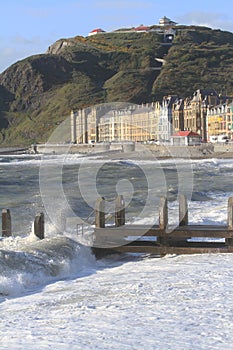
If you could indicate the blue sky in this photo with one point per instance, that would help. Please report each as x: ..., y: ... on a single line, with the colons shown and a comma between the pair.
x: 28, y: 27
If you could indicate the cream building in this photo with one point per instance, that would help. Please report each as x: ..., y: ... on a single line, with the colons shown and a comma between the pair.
x: 220, y: 120
x: 107, y: 123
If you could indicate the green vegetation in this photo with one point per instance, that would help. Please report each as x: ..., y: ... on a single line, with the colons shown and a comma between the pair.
x: 38, y: 93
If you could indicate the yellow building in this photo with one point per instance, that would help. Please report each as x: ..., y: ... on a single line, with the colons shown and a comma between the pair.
x: 195, y: 111
x: 178, y: 115
x: 106, y: 123
x: 220, y: 120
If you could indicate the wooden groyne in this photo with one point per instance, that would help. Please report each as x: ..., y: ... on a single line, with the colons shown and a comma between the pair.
x: 159, y: 239
x: 38, y: 224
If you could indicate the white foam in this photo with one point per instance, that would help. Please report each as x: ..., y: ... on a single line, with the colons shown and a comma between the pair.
x: 27, y: 263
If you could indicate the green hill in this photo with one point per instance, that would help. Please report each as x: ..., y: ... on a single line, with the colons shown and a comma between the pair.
x: 38, y: 93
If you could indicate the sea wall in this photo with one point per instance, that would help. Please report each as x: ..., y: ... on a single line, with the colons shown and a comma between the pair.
x: 200, y: 151
x: 83, y: 148
x: 223, y: 147
x: 181, y: 151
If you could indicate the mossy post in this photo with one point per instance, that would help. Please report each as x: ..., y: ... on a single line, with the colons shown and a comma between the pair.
x: 119, y: 211
x: 229, y: 241
x: 230, y: 213
x: 183, y: 211
x: 163, y: 222
x: 39, y: 226
x: 6, y: 223
x: 100, y: 213
x: 163, y: 213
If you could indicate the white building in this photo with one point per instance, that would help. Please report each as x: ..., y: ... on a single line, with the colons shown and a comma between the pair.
x: 96, y: 31
x: 165, y: 21
x: 165, y: 118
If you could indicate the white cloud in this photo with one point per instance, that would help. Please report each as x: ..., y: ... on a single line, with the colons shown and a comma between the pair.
x: 38, y: 13
x: 7, y: 57
x: 22, y: 41
x: 123, y: 4
x: 208, y: 19
x: 18, y: 48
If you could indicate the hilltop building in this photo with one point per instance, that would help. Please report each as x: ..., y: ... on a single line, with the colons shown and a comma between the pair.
x: 165, y: 21
x: 166, y: 27
x: 96, y: 31
x: 141, y: 29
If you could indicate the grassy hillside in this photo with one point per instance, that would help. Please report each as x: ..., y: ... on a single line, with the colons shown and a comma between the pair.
x: 197, y: 59
x: 37, y: 93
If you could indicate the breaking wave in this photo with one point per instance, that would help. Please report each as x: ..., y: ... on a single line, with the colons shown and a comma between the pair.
x: 27, y: 264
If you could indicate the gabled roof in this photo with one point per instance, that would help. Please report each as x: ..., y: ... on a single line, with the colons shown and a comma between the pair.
x: 186, y: 133
x: 142, y: 28
x: 166, y: 21
x: 98, y: 30
x: 203, y: 93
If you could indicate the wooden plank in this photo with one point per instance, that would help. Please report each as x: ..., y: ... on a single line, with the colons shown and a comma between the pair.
x: 182, y: 231
x: 196, y: 250
x: 110, y: 243
x: 206, y: 231
x: 138, y: 249
x: 171, y: 250
x: 127, y: 230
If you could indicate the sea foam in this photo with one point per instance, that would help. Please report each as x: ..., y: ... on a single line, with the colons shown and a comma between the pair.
x: 26, y: 265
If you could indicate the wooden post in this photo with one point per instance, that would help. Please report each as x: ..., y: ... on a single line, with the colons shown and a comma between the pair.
x: 100, y: 213
x: 230, y: 213
x: 183, y: 211
x: 120, y: 211
x: 39, y: 226
x: 163, y: 221
x: 6, y: 223
x: 163, y: 213
x: 229, y: 241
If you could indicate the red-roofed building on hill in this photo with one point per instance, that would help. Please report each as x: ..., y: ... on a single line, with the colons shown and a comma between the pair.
x: 141, y: 29
x: 185, y: 138
x: 96, y: 31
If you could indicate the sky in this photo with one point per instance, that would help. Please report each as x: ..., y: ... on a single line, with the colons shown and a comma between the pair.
x: 29, y: 27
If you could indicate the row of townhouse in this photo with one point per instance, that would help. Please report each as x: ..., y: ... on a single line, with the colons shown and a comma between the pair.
x: 205, y: 113
x: 114, y: 122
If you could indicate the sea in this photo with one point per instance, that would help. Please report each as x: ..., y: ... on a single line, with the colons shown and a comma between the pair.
x: 55, y: 294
